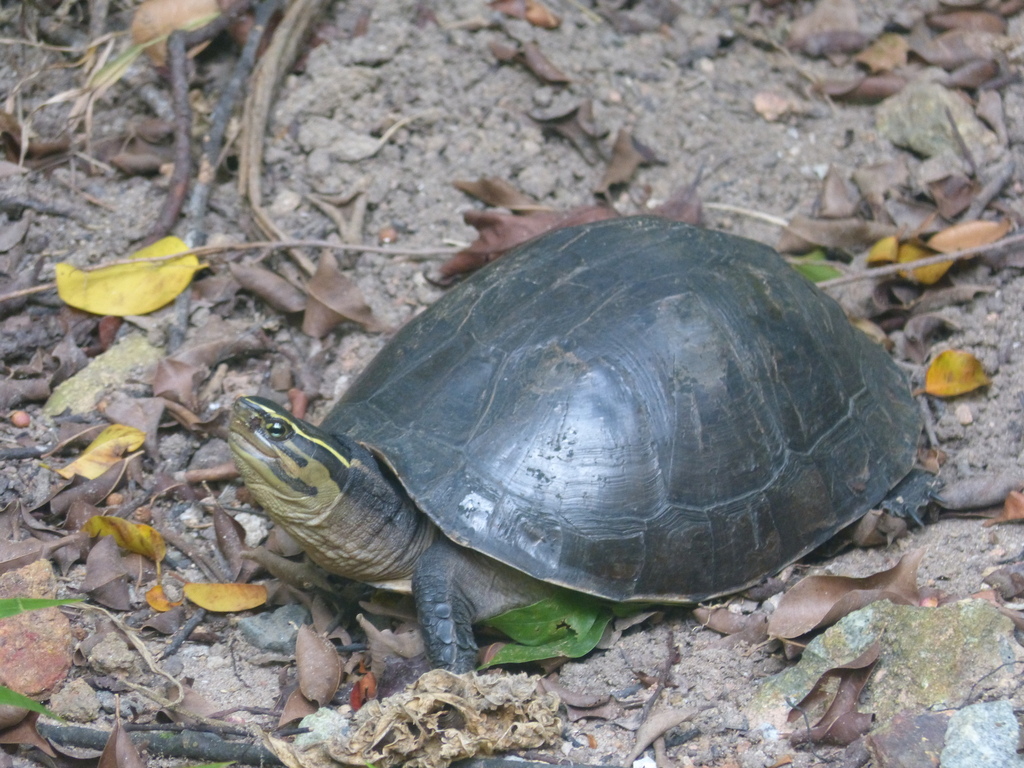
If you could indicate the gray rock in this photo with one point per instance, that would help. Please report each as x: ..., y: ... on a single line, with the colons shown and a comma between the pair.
x: 983, y: 736
x: 929, y: 658
x: 918, y: 118
x: 274, y: 631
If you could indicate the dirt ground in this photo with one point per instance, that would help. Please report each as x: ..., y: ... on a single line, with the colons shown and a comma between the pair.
x: 685, y: 90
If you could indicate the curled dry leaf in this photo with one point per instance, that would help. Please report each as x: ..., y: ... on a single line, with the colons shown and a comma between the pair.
x: 954, y: 48
x: 135, y: 537
x: 835, y: 201
x: 954, y: 372
x: 655, y: 726
x: 980, y: 492
x: 920, y: 332
x: 498, y: 232
x: 628, y: 154
x: 533, y: 11
x: 910, y: 252
x: 119, y: 751
x: 953, y: 194
x: 272, y: 288
x: 158, y: 600
x: 333, y: 298
x: 818, y: 601
x: 577, y: 126
x: 497, y: 193
x: 104, y: 452
x: 830, y: 27
x: 864, y: 90
x: 154, y: 20
x: 972, y: 74
x: 804, y: 233
x: 885, y: 54
x: 530, y: 56
x: 318, y: 664
x: 978, y: 20
x: 1012, y: 512
x: 841, y: 724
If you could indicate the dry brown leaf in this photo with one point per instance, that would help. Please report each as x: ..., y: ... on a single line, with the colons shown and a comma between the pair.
x: 627, y: 155
x: 577, y: 126
x: 835, y: 201
x: 26, y: 734
x: 972, y: 74
x: 878, y: 529
x: 334, y: 298
x: 1012, y: 512
x: 954, y: 48
x: 977, y: 20
x: 318, y: 665
x: 968, y: 234
x: 831, y: 26
x: 296, y: 707
x: 497, y: 193
x: 841, y: 724
x: 119, y: 751
x: 819, y: 601
x: 803, y: 234
x: 953, y: 194
x: 530, y: 56
x: 655, y: 726
x: 178, y: 381
x: 498, y: 232
x: 272, y: 288
x: 533, y: 11
x: 885, y: 54
x: 106, y: 575
x: 867, y: 89
x: 981, y: 491
x: 921, y: 331
x: 156, y: 19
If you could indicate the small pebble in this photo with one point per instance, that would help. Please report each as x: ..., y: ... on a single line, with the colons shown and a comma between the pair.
x: 20, y: 419
x: 964, y: 415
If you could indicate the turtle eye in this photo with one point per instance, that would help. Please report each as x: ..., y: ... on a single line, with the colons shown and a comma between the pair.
x: 278, y: 429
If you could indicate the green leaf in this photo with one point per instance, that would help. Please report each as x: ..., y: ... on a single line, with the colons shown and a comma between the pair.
x: 15, y: 699
x: 566, y: 624
x: 815, y: 266
x: 12, y: 606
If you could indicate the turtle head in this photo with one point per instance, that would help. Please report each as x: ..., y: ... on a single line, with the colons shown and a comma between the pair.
x: 328, y: 492
x: 293, y: 469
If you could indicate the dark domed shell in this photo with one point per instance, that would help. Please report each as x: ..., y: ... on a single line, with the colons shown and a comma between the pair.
x: 637, y: 409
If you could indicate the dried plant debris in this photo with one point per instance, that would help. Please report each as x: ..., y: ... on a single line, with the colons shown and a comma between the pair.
x: 439, y: 719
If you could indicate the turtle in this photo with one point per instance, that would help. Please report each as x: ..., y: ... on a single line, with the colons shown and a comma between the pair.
x: 635, y: 409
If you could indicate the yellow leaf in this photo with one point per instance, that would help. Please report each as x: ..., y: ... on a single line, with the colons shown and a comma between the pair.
x: 226, y: 597
x: 910, y: 252
x: 104, y: 452
x: 968, y: 234
x: 130, y: 289
x: 953, y: 373
x: 884, y: 251
x: 158, y: 601
x: 135, y: 537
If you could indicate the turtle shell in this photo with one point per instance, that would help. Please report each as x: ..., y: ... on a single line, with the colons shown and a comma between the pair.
x: 637, y: 409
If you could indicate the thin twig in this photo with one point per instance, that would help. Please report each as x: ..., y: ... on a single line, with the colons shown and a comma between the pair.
x: 942, y: 258
x: 778, y: 221
x: 209, y: 250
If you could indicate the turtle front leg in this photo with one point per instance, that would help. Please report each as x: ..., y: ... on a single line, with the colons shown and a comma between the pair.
x: 454, y: 588
x: 445, y: 610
